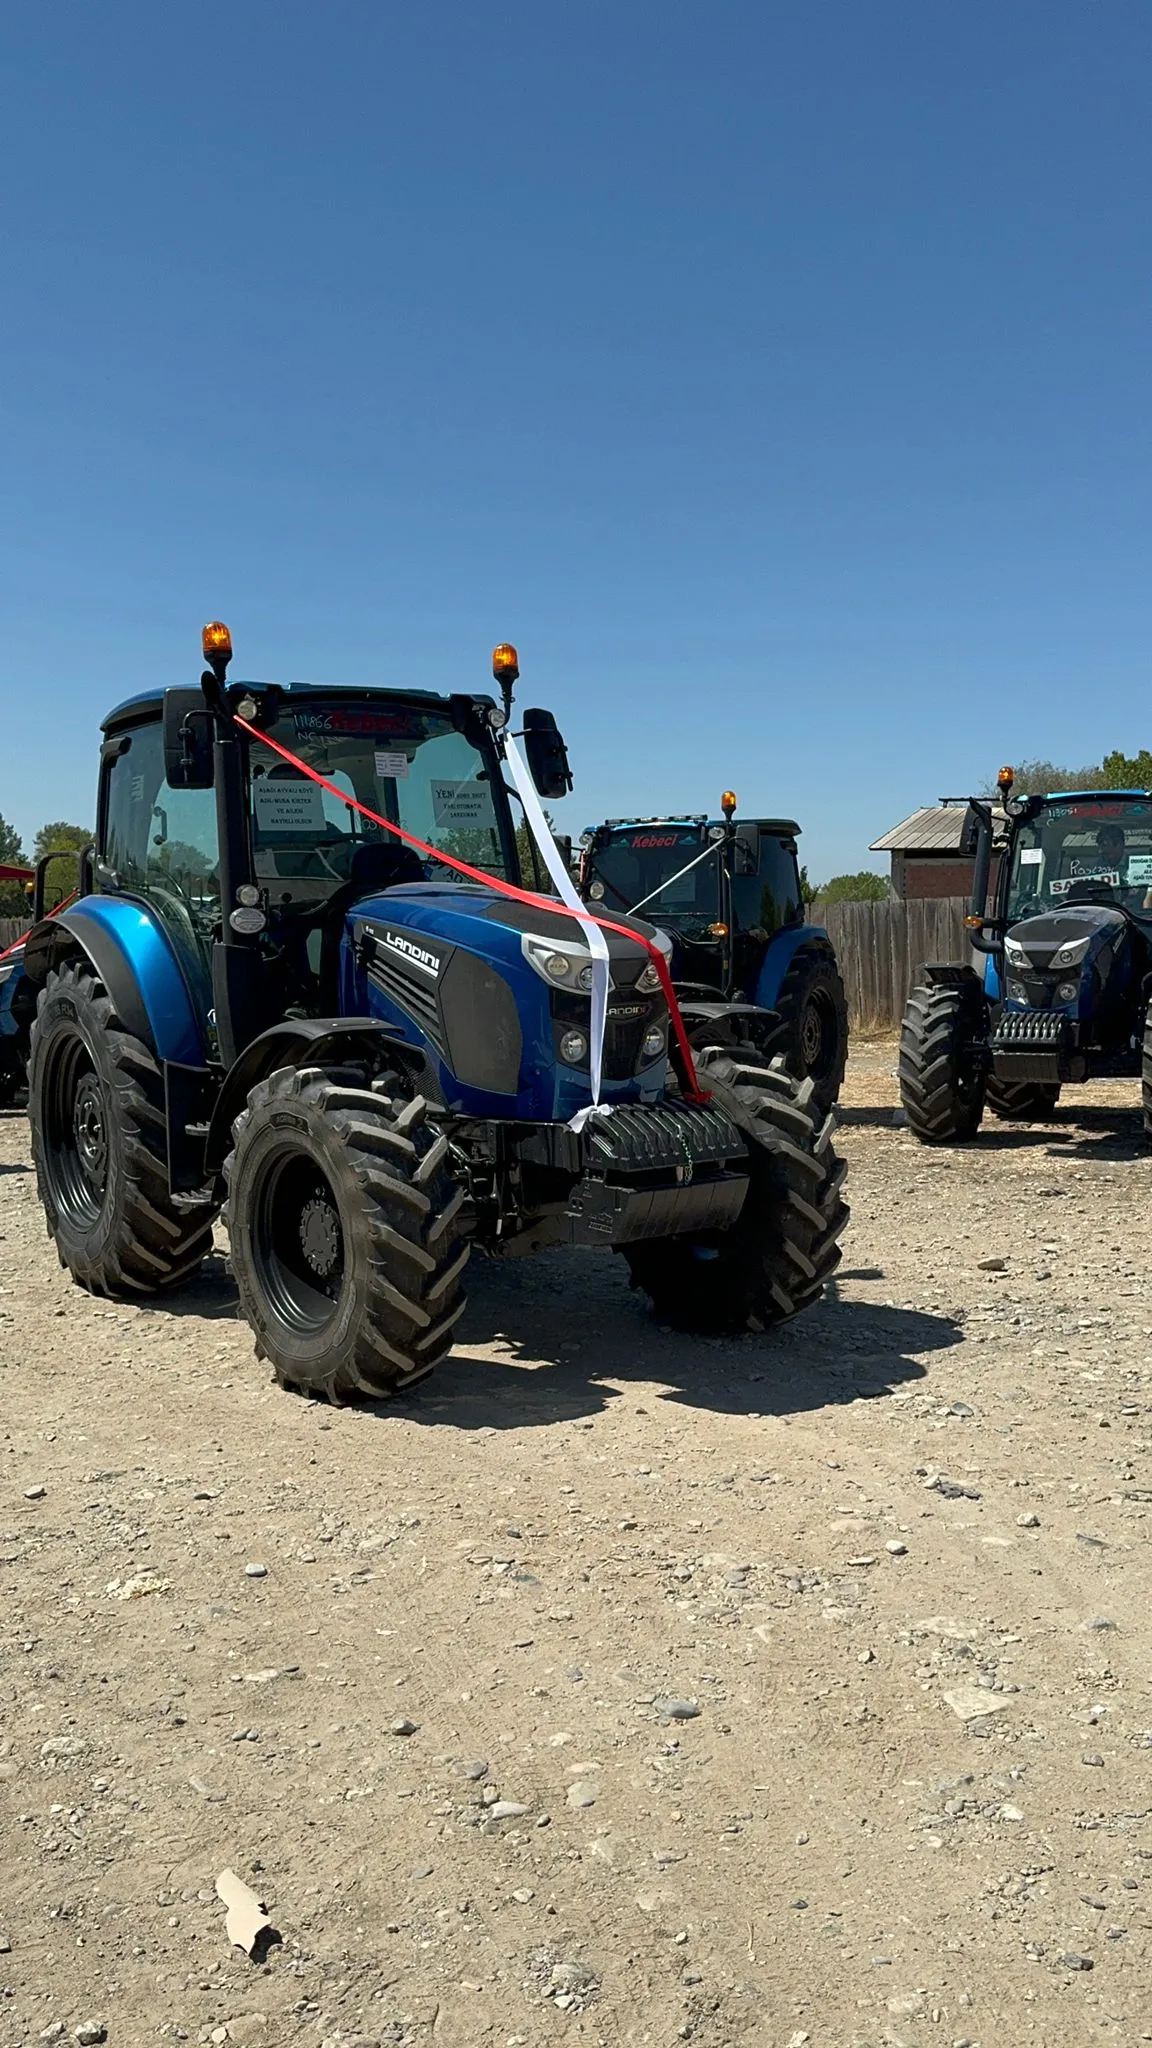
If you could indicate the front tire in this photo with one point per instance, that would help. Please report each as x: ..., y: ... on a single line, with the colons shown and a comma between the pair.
x: 942, y: 1074
x: 783, y: 1247
x: 346, y: 1233
x: 99, y: 1143
x: 813, y: 1009
x: 1022, y: 1102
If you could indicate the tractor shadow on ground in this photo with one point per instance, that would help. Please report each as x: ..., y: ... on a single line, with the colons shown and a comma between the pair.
x: 1075, y: 1133
x: 571, y: 1347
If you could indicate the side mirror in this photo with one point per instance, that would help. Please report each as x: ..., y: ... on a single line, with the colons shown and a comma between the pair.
x: 547, y: 754
x: 188, y: 760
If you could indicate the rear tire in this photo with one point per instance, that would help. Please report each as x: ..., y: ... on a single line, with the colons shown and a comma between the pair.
x: 942, y: 1077
x: 783, y: 1247
x: 99, y: 1143
x: 1022, y: 1102
x: 346, y: 1233
x: 813, y: 1009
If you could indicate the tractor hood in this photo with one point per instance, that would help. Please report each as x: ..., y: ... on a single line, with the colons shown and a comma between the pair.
x: 497, y: 992
x: 1040, y: 939
x: 465, y: 913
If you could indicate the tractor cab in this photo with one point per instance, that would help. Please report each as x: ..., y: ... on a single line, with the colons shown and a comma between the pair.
x: 728, y: 894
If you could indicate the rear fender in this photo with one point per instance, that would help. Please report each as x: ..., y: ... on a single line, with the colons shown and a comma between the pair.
x: 308, y: 1042
x: 783, y: 947
x: 129, y: 949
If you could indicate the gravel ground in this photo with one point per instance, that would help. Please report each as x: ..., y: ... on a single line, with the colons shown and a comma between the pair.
x: 613, y: 1687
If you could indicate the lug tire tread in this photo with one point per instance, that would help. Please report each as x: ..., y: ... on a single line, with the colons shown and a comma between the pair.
x: 775, y: 1260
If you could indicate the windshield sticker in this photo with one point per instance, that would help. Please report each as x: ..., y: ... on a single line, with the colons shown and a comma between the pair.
x: 399, y: 723
x: 1104, y: 878
x: 462, y: 804
x: 1031, y: 856
x: 644, y: 840
x: 1140, y: 867
x: 288, y: 806
x: 391, y: 766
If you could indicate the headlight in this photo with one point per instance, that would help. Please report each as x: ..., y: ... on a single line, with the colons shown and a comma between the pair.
x: 1067, y: 992
x: 560, y: 964
x: 574, y: 1048
x: 1016, y: 953
x: 1073, y: 953
x: 648, y: 981
x: 653, y: 1044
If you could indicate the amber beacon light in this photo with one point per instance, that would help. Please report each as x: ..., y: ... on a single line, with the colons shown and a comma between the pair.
x: 216, y: 641
x: 505, y: 663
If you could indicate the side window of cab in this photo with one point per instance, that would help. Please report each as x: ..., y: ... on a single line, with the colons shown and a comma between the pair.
x: 157, y: 842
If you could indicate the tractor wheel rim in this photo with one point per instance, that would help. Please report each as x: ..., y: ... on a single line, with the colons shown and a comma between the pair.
x: 75, y: 1132
x: 298, y: 1244
x: 817, y: 1035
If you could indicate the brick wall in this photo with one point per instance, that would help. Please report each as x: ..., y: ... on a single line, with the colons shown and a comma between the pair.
x: 933, y: 875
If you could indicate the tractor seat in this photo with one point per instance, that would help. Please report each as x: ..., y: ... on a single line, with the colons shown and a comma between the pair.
x: 376, y: 864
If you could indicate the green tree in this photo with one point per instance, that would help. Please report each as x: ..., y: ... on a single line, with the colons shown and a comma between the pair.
x: 1127, y: 771
x: 808, y: 893
x: 864, y: 887
x: 1040, y: 777
x: 13, y: 902
x: 60, y: 837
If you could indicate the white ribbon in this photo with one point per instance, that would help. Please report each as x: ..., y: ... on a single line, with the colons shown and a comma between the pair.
x: 562, y: 881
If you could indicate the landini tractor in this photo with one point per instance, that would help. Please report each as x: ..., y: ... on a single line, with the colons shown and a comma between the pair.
x: 743, y: 957
x: 267, y: 999
x: 1067, y: 967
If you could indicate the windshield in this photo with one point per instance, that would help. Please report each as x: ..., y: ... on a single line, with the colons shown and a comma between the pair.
x: 405, y: 761
x: 633, y: 865
x: 1085, y: 852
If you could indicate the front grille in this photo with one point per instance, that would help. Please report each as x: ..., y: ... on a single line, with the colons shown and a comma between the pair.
x: 407, y: 988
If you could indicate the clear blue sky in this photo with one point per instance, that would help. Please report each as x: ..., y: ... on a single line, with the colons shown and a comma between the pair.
x: 776, y: 376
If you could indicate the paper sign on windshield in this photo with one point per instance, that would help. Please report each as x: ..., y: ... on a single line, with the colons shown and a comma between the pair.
x: 1031, y: 856
x: 283, y: 806
x: 391, y: 767
x: 1140, y: 867
x: 461, y: 805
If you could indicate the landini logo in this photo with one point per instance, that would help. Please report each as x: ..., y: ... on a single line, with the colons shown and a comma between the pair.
x: 418, y: 955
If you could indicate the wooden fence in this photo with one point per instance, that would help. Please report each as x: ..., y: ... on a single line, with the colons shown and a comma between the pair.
x: 11, y: 928
x: 882, y: 947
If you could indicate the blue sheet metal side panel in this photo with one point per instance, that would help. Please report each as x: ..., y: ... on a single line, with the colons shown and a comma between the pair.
x: 991, y: 978
x: 783, y: 947
x: 137, y: 937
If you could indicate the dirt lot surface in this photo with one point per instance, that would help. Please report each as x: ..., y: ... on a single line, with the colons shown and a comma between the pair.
x: 613, y: 1687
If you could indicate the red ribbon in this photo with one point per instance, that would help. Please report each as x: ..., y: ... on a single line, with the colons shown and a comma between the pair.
x: 551, y: 904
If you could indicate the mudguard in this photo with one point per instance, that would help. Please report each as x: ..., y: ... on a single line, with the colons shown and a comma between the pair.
x: 130, y: 950
x: 783, y: 947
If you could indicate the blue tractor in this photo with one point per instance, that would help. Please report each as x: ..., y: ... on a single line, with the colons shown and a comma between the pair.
x: 1066, y: 935
x: 744, y: 959
x: 266, y: 1002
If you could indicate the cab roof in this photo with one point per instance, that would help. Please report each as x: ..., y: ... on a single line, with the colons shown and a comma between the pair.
x: 134, y: 709
x: 788, y: 826
x: 1086, y: 796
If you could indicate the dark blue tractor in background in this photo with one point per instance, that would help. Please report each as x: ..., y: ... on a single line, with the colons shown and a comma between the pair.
x: 1067, y: 980
x: 743, y: 957
x: 263, y: 1000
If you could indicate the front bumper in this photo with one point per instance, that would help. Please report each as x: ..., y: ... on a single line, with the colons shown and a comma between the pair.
x: 1036, y: 1045
x: 645, y: 1171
